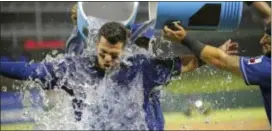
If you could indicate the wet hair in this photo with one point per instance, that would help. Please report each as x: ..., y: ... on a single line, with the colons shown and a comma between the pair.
x: 114, y: 32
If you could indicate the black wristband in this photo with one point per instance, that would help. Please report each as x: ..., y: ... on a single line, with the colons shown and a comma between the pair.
x: 195, y: 46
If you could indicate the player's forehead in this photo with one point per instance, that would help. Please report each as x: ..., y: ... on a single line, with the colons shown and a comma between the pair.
x: 105, y: 45
x: 105, y: 49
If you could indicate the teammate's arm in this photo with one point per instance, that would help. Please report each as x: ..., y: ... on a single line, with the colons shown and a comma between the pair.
x: 220, y: 59
x: 209, y: 54
x: 189, y: 63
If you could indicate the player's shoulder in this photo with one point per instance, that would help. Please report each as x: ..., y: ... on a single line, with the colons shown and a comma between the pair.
x: 260, y: 64
x: 258, y: 60
x: 135, y: 61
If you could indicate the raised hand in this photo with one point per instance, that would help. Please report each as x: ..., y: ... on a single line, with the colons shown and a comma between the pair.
x: 174, y: 35
x: 230, y: 47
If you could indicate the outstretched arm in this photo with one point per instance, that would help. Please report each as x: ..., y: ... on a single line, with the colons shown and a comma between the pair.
x: 25, y: 71
x: 209, y: 54
x: 220, y: 59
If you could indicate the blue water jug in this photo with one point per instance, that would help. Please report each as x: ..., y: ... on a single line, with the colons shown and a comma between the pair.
x: 220, y: 16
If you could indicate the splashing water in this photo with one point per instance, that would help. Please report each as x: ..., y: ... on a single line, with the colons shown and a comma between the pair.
x: 107, y: 105
x: 116, y: 106
x: 144, y: 27
x: 3, y: 88
x: 94, y: 25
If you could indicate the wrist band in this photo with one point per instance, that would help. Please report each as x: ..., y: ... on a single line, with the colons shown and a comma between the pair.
x: 193, y: 45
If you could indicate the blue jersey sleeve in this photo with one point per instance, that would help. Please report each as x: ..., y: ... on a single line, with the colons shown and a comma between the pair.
x: 44, y: 72
x: 160, y: 71
x: 256, y: 71
x: 24, y: 70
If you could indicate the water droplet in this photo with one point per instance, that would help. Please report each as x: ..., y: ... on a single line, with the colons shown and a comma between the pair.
x: 233, y: 99
x: 207, y: 120
x: 184, y: 127
x: 4, y: 88
x: 243, y: 50
x: 54, y: 52
x: 222, y: 98
x: 31, y: 62
x: 25, y: 113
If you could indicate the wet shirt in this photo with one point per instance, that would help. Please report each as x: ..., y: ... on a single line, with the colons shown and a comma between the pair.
x: 134, y: 105
x: 257, y: 71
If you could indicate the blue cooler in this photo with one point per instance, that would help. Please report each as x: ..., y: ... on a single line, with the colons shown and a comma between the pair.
x: 220, y: 16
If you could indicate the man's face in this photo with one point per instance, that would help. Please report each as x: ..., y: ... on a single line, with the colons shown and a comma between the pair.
x: 108, y: 54
x: 266, y: 43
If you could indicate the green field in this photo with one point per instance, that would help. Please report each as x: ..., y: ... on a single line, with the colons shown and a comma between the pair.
x: 218, y: 116
x: 234, y: 119
x: 221, y: 118
x: 207, y: 80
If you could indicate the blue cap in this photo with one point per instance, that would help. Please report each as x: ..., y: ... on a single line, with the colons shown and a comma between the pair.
x: 148, y: 34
